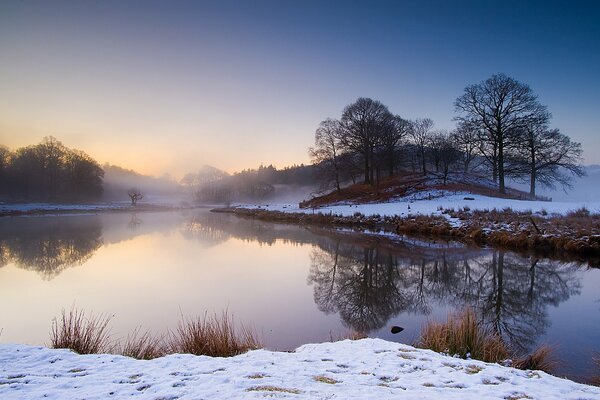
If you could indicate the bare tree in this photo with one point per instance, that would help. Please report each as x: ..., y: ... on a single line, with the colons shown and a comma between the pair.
x: 545, y: 157
x: 327, y: 151
x: 501, y: 107
x: 466, y: 139
x: 135, y: 195
x: 363, y: 122
x: 393, y: 133
x: 420, y: 131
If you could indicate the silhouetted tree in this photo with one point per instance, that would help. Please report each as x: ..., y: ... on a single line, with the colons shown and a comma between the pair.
x: 327, y: 151
x: 500, y: 107
x: 546, y: 155
x: 363, y: 123
x: 420, y: 131
x: 467, y: 141
x: 135, y: 195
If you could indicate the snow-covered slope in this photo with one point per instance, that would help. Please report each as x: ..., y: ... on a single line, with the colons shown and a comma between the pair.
x: 364, y: 369
x: 432, y: 202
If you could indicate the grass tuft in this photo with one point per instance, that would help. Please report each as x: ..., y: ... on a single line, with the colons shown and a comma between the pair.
x: 464, y: 336
x: 143, y: 346
x: 212, y: 336
x: 541, y: 359
x: 80, y: 333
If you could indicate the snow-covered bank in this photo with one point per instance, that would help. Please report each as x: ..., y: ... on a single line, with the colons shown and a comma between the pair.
x: 433, y: 202
x: 369, y: 368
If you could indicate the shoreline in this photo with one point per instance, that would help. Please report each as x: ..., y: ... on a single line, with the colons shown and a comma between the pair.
x: 520, y: 232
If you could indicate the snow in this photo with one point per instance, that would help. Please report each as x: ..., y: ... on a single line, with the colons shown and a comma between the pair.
x: 368, y: 368
x: 432, y: 203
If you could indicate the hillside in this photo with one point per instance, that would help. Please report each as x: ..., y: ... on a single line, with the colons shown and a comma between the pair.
x: 413, y: 185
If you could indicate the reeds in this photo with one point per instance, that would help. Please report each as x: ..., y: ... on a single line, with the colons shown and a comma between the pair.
x: 541, y: 359
x: 143, y: 346
x: 80, y: 333
x: 464, y: 336
x: 212, y: 336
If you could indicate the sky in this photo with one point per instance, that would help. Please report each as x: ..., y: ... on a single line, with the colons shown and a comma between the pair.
x: 168, y: 86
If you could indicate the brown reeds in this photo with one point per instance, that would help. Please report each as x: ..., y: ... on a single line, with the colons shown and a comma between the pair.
x: 464, y: 336
x: 212, y: 336
x: 541, y: 359
x: 143, y: 346
x: 80, y: 333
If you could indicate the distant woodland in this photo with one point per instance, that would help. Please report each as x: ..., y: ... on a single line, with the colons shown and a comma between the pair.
x: 502, y: 132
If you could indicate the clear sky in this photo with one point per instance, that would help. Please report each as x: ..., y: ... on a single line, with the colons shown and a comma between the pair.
x: 169, y: 86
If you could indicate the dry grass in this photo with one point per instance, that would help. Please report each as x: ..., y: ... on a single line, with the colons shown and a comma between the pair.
x: 352, y: 335
x: 212, y: 336
x: 541, y: 359
x: 463, y: 335
x: 143, y: 346
x: 80, y: 333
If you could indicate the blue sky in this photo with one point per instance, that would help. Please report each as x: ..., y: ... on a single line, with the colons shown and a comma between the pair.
x: 168, y: 86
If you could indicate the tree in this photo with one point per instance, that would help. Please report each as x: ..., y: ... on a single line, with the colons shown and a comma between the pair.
x: 327, y: 151
x: 363, y: 123
x: 393, y: 133
x: 501, y: 107
x: 466, y: 139
x: 545, y: 157
x: 420, y: 131
x: 135, y: 195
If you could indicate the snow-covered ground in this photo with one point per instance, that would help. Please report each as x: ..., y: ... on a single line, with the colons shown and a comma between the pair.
x: 431, y: 203
x: 364, y: 369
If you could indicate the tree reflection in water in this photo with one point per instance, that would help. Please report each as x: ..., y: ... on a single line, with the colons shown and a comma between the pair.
x: 49, y: 245
x: 369, y: 285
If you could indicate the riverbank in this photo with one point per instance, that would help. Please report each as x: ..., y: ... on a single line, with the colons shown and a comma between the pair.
x: 567, y: 231
x: 31, y: 209
x: 367, y: 368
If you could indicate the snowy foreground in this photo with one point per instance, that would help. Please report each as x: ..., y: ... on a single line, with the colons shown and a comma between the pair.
x: 368, y: 368
x: 433, y: 202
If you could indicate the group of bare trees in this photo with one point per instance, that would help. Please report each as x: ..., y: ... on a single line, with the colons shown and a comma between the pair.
x: 513, y: 133
x: 502, y: 130
x: 49, y: 171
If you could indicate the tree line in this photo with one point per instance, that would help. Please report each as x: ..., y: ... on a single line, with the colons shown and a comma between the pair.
x: 502, y: 131
x: 49, y: 171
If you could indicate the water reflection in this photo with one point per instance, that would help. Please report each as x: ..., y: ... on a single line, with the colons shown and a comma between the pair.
x: 369, y: 285
x: 49, y: 246
x: 199, y: 259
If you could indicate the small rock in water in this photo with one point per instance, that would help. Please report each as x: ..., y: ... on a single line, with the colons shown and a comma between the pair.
x: 397, y: 329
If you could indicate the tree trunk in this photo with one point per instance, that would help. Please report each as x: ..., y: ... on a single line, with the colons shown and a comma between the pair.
x: 533, y: 177
x: 501, y: 167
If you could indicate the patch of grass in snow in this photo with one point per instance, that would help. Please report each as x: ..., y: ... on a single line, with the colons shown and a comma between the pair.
x: 352, y: 335
x: 463, y: 335
x: 541, y: 359
x: 143, y: 346
x: 212, y: 336
x: 268, y: 388
x: 325, y: 379
x: 257, y: 376
x: 84, y: 334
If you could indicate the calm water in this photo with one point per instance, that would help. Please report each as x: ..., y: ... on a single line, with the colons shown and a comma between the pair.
x: 294, y: 285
